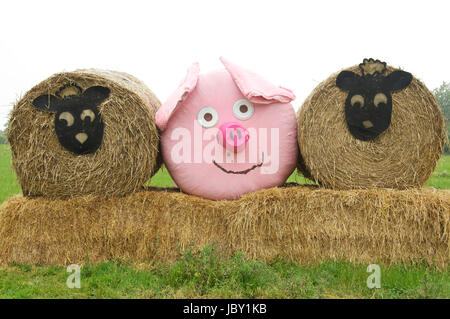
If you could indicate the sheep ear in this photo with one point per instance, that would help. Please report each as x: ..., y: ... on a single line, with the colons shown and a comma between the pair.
x: 255, y: 88
x: 166, y: 110
x: 398, y: 80
x: 46, y: 102
x: 347, y: 80
x: 96, y: 94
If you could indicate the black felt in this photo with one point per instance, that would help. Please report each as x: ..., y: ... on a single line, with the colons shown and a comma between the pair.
x: 75, y: 105
x: 368, y: 86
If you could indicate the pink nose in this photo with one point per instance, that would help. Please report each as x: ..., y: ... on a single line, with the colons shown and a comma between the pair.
x: 233, y: 136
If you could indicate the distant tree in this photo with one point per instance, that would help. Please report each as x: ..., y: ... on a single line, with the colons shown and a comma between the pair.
x: 3, y: 139
x: 447, y: 146
x: 442, y: 94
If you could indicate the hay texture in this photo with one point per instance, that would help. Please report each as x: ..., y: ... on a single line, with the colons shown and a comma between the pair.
x: 401, y: 157
x: 299, y: 223
x: 126, y: 159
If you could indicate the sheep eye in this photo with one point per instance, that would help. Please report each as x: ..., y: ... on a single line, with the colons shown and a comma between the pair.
x: 357, y: 99
x: 68, y: 117
x: 379, y: 98
x: 88, y: 113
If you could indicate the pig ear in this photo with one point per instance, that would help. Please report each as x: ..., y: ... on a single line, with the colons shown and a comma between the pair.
x: 166, y: 110
x: 255, y: 88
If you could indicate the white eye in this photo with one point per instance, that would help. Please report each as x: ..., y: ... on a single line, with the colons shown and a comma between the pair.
x: 243, y: 109
x: 67, y: 117
x: 379, y: 98
x: 89, y: 114
x: 357, y: 99
x: 207, y: 116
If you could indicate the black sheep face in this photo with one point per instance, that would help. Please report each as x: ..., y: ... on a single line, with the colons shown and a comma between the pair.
x: 78, y: 123
x: 368, y: 106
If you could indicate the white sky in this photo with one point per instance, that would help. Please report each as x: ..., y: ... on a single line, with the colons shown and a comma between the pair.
x: 291, y: 43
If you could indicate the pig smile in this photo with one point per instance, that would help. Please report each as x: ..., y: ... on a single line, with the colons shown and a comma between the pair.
x: 241, y: 172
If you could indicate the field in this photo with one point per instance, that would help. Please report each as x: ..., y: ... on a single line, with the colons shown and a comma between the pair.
x: 208, y: 274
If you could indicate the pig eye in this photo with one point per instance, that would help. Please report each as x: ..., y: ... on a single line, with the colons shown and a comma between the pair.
x: 66, y: 116
x: 379, y: 98
x: 88, y: 113
x: 357, y: 99
x: 243, y: 109
x: 207, y: 116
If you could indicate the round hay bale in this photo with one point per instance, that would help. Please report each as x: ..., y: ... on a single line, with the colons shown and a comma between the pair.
x: 85, y: 132
x: 401, y: 155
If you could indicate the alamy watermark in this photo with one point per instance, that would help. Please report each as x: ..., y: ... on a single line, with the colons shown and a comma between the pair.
x: 374, y: 280
x: 74, y: 280
x: 230, y: 145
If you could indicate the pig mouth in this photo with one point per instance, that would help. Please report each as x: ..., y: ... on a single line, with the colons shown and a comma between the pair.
x: 240, y: 172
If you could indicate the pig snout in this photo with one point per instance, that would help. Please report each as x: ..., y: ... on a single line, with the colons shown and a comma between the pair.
x: 233, y: 136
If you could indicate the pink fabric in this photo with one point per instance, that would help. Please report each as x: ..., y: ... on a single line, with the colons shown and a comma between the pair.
x: 267, y: 157
x: 255, y: 88
x: 186, y: 86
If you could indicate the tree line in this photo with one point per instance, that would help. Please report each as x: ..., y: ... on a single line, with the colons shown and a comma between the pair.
x: 442, y: 95
x: 3, y: 139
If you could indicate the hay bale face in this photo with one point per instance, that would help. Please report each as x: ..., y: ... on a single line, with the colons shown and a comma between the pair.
x: 85, y: 132
x: 368, y: 106
x: 78, y: 123
x: 228, y: 132
x: 370, y: 126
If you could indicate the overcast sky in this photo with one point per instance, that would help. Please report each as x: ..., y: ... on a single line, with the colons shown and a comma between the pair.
x: 291, y: 43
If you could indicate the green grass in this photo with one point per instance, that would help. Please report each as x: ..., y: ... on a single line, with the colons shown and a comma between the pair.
x: 8, y: 183
x: 441, y: 176
x: 208, y: 274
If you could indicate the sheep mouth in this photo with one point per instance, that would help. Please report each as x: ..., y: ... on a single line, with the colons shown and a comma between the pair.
x: 243, y: 172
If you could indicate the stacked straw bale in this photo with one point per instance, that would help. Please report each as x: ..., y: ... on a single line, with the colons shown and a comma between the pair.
x: 126, y: 159
x: 402, y: 157
x: 298, y: 223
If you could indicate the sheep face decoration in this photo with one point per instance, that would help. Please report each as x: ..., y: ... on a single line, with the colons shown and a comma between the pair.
x: 368, y: 106
x: 78, y: 123
x: 227, y: 133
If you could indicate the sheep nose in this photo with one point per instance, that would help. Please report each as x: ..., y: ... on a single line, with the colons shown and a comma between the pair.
x: 81, y: 137
x: 367, y: 124
x: 233, y: 136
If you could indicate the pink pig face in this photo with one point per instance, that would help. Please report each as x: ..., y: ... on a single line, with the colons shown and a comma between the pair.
x: 228, y: 132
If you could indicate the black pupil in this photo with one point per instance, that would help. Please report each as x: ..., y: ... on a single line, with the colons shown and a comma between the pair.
x: 207, y: 117
x: 243, y: 108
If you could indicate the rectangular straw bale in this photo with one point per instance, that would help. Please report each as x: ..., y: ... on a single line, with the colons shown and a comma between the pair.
x: 300, y: 223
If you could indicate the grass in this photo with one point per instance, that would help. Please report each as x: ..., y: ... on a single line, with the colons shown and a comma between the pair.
x: 441, y: 176
x: 209, y: 274
x: 8, y: 183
